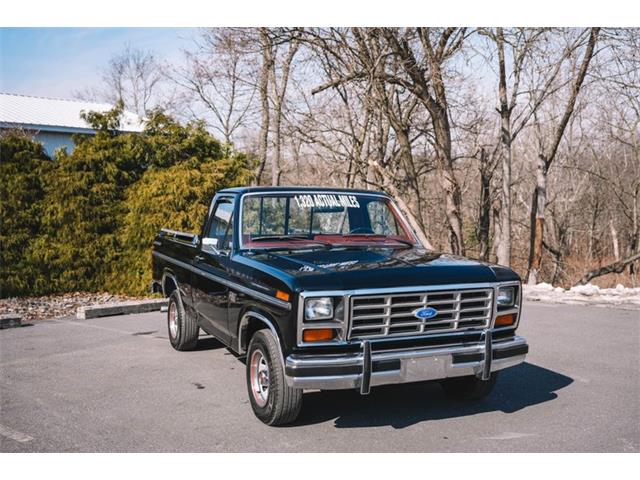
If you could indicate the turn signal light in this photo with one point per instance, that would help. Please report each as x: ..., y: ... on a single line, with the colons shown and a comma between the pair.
x: 318, y: 334
x: 505, y: 320
x: 282, y: 295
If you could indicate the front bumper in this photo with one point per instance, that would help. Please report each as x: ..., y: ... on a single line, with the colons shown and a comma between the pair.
x: 370, y: 368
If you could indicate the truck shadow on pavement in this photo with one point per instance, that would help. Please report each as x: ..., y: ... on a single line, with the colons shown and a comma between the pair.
x: 400, y: 406
x: 208, y: 343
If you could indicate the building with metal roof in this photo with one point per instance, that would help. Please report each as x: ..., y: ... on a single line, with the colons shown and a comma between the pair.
x: 53, y: 121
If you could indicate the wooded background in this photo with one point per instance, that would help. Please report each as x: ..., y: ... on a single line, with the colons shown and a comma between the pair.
x: 514, y: 145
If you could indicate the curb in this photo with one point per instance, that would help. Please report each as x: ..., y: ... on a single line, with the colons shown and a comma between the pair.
x: 10, y: 320
x: 123, y: 308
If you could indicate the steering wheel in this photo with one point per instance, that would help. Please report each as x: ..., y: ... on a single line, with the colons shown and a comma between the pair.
x: 364, y: 230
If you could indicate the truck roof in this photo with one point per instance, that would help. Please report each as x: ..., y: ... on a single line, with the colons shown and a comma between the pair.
x: 242, y: 190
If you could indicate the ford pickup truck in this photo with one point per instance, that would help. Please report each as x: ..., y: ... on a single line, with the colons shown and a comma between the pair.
x: 320, y: 289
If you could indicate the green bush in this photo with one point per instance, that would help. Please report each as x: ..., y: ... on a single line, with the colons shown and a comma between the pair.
x: 23, y: 165
x: 176, y: 197
x: 99, y: 208
x: 83, y: 209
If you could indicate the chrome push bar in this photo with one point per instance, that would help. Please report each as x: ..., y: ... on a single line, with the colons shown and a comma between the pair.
x: 483, y: 370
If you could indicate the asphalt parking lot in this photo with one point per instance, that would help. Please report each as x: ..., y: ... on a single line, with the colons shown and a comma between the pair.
x: 115, y: 385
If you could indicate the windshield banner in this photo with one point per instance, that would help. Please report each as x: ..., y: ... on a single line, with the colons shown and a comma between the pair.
x: 326, y: 200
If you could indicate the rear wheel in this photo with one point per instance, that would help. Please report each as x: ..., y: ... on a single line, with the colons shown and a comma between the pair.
x: 183, y: 330
x: 469, y: 388
x: 272, y: 400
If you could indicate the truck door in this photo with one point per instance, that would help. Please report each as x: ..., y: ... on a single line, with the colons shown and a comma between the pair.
x: 211, y: 262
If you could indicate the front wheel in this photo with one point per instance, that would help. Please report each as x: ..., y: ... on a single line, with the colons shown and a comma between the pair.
x: 273, y: 401
x: 469, y: 388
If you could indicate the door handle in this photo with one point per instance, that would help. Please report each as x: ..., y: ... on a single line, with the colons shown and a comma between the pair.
x: 199, y: 258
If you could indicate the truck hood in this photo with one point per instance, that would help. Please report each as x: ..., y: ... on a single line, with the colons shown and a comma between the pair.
x: 379, y: 268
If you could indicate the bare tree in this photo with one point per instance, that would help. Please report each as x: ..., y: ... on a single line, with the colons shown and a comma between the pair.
x: 425, y: 79
x: 421, y: 54
x: 520, y: 44
x: 546, y: 155
x: 134, y: 77
x: 280, y: 72
x: 217, y: 76
x: 267, y: 58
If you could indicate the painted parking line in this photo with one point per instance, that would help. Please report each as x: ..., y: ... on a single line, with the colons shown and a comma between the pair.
x: 14, y: 434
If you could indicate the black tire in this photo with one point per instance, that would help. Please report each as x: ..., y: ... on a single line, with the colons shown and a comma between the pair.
x: 469, y: 388
x: 283, y: 403
x: 184, y: 336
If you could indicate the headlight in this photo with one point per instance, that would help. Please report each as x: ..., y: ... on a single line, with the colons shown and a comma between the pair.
x: 320, y: 308
x: 506, y: 296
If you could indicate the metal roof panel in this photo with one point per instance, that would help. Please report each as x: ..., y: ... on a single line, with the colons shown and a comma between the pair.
x: 23, y: 111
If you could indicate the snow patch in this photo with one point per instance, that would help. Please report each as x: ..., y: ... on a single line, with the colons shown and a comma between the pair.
x: 620, y: 296
x: 588, y: 290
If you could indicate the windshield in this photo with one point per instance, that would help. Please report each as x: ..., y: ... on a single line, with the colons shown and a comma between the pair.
x: 300, y: 220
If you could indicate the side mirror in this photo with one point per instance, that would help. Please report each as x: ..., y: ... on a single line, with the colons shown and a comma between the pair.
x: 211, y: 243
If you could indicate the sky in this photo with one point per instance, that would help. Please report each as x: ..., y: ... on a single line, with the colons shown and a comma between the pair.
x: 56, y: 62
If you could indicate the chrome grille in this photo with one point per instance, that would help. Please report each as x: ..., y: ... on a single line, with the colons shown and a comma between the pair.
x: 393, y: 314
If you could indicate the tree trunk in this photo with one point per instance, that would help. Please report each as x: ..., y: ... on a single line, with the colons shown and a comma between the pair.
x: 538, y: 208
x: 263, y: 87
x: 495, y: 223
x: 280, y: 93
x: 557, y: 260
x: 448, y: 181
x: 275, y: 164
x: 503, y: 250
x: 614, y: 241
x: 453, y: 197
x: 635, y: 235
x: 484, y: 216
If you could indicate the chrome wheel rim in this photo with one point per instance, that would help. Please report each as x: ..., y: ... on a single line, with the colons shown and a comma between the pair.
x: 259, y: 378
x: 173, y: 320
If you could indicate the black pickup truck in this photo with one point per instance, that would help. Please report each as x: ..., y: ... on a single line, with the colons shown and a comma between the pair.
x: 329, y: 289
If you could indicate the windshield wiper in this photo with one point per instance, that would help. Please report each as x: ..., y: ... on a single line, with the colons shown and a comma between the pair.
x: 278, y: 237
x: 284, y: 238
x: 404, y: 242
x: 381, y: 237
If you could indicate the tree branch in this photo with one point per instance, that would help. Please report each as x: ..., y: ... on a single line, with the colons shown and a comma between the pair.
x: 615, y: 267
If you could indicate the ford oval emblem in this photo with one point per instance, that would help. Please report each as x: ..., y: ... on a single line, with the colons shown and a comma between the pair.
x: 425, y: 313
